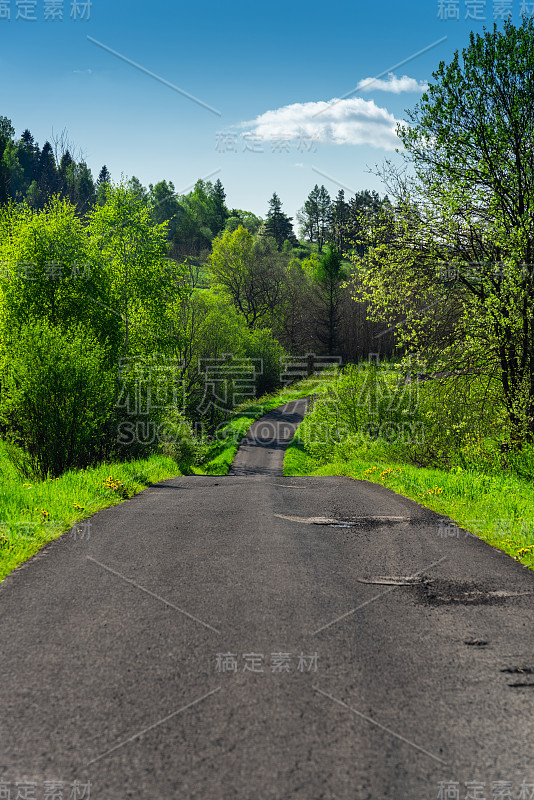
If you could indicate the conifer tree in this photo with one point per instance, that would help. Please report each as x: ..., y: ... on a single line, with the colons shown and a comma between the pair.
x: 278, y: 225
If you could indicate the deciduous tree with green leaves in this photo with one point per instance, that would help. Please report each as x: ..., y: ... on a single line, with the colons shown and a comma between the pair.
x: 49, y: 273
x: 457, y: 262
x: 250, y: 272
x: 127, y: 247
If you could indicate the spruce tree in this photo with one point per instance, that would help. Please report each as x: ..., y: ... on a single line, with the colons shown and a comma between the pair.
x: 7, y: 132
x: 278, y: 225
x: 328, y: 292
x: 340, y: 215
x: 47, y: 178
x: 66, y: 183
x: 29, y: 154
x: 220, y: 212
x: 103, y: 177
x: 103, y: 181
x: 85, y: 188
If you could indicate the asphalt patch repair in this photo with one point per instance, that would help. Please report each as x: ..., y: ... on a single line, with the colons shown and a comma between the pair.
x: 442, y: 592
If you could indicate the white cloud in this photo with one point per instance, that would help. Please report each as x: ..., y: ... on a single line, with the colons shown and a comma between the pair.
x: 352, y: 121
x: 392, y: 84
x: 83, y: 71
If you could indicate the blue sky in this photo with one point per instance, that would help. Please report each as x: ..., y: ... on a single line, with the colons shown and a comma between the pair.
x: 267, y: 68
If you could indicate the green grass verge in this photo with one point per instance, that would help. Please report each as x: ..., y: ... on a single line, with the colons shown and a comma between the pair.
x: 496, y: 508
x: 32, y: 514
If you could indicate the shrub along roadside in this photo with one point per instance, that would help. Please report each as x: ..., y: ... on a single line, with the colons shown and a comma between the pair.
x: 57, y: 399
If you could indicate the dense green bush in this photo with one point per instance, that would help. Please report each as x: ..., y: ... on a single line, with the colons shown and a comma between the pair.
x: 464, y: 422
x: 178, y: 440
x: 367, y: 403
x: 260, y: 344
x: 383, y: 413
x: 57, y: 399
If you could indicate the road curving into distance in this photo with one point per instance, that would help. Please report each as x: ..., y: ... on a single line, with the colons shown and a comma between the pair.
x: 257, y: 636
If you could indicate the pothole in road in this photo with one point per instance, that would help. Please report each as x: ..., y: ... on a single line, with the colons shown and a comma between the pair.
x: 520, y: 685
x: 439, y: 592
x: 524, y: 671
x: 476, y: 642
x: 519, y: 670
x: 316, y: 520
x: 442, y: 592
x: 345, y: 523
x: 397, y: 580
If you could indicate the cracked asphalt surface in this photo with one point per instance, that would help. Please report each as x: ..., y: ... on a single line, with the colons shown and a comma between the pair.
x: 208, y: 641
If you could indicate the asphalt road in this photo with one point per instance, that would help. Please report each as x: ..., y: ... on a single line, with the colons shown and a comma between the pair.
x: 262, y: 450
x: 218, y: 638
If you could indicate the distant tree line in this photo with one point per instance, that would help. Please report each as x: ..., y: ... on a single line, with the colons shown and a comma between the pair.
x: 339, y: 222
x: 299, y: 288
x: 103, y: 279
